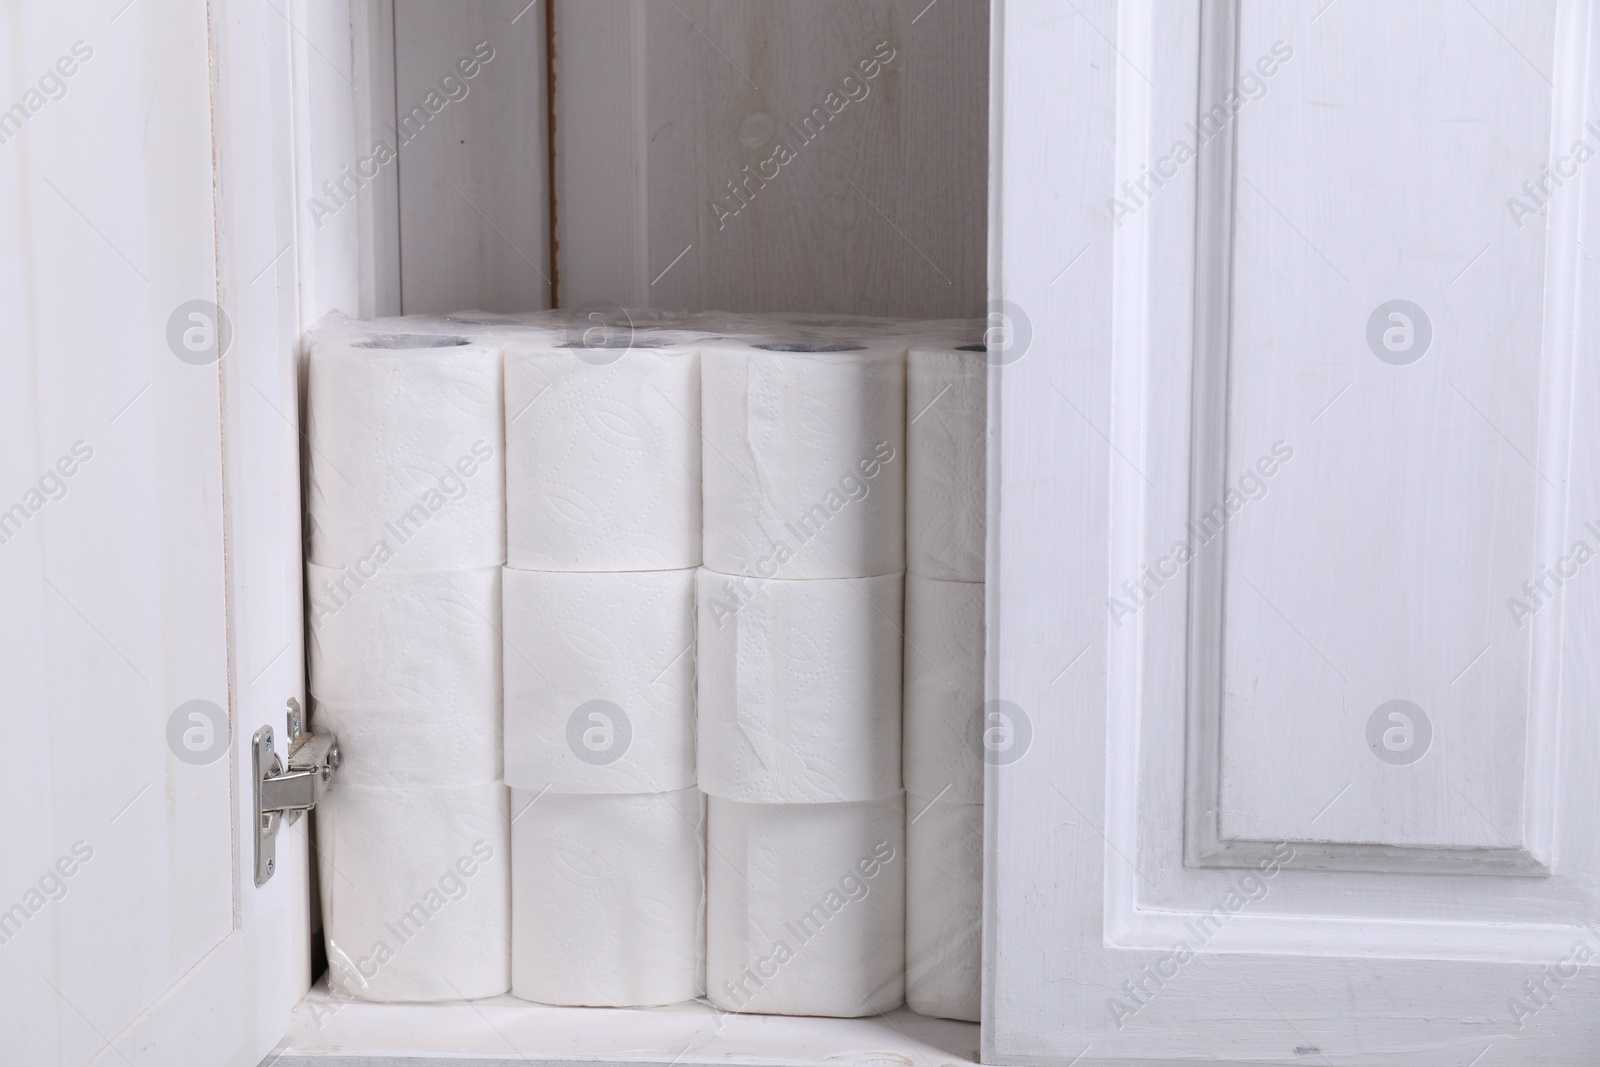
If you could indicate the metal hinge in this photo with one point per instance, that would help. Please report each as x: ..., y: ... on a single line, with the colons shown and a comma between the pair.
x: 283, y: 794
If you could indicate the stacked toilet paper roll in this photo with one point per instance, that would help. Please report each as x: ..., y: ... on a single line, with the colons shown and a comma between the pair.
x: 799, y: 688
x: 799, y: 676
x: 415, y: 887
x: 944, y: 907
x: 603, y: 527
x: 527, y: 535
x: 599, y: 680
x: 946, y: 402
x: 406, y: 510
x: 804, y: 463
x: 610, y: 897
x: 405, y: 467
x: 945, y: 494
x: 406, y: 671
x: 603, y: 455
x: 807, y: 907
x: 943, y: 689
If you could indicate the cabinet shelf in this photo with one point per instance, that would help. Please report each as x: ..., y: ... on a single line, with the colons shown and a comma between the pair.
x: 331, y: 1033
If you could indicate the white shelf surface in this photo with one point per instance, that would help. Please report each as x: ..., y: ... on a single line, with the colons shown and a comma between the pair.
x: 329, y: 1033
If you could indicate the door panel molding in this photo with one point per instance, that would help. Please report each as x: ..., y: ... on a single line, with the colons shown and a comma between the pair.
x: 1090, y: 883
x: 1520, y: 846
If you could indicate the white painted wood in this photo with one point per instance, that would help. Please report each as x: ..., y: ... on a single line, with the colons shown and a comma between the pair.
x: 328, y: 1033
x: 372, y: 61
x: 1054, y: 102
x: 1376, y: 566
x: 599, y: 143
x: 175, y: 528
x: 382, y: 228
x: 474, y: 191
x: 1484, y: 909
x: 256, y: 224
x: 1117, y: 429
x: 336, y: 253
x: 672, y: 189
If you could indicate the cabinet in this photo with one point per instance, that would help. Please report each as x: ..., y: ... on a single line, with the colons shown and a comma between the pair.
x: 1300, y: 287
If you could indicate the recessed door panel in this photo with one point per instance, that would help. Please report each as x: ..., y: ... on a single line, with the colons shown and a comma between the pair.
x: 1387, y: 402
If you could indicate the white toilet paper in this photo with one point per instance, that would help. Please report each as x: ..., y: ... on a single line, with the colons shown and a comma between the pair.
x: 944, y: 689
x: 946, y: 413
x: 393, y: 640
x: 405, y: 668
x: 603, y: 456
x: 599, y: 680
x: 405, y: 454
x: 608, y: 898
x: 806, y: 907
x: 944, y: 907
x: 415, y: 891
x: 799, y: 688
x: 403, y: 747
x: 804, y: 465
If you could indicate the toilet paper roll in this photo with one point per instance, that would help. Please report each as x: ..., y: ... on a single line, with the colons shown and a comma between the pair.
x: 799, y: 688
x: 415, y: 891
x: 946, y: 406
x: 398, y: 640
x: 608, y: 898
x: 804, y: 465
x: 944, y: 689
x: 806, y: 907
x: 603, y: 456
x: 405, y: 669
x: 399, y: 748
x: 405, y: 453
x: 599, y: 680
x: 944, y: 907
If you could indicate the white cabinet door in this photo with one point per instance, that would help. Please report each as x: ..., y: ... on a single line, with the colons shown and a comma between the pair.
x: 149, y: 530
x: 1297, y: 534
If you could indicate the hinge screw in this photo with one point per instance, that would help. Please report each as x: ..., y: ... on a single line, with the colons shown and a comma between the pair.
x: 270, y: 864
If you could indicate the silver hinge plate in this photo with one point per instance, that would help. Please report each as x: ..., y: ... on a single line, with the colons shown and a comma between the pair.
x: 281, y: 795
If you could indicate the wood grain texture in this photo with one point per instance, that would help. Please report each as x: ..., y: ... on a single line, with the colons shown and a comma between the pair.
x: 874, y: 204
x: 600, y: 142
x: 474, y: 170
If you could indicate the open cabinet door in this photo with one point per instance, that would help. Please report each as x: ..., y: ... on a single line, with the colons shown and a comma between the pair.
x: 1294, y: 583
x: 149, y: 534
